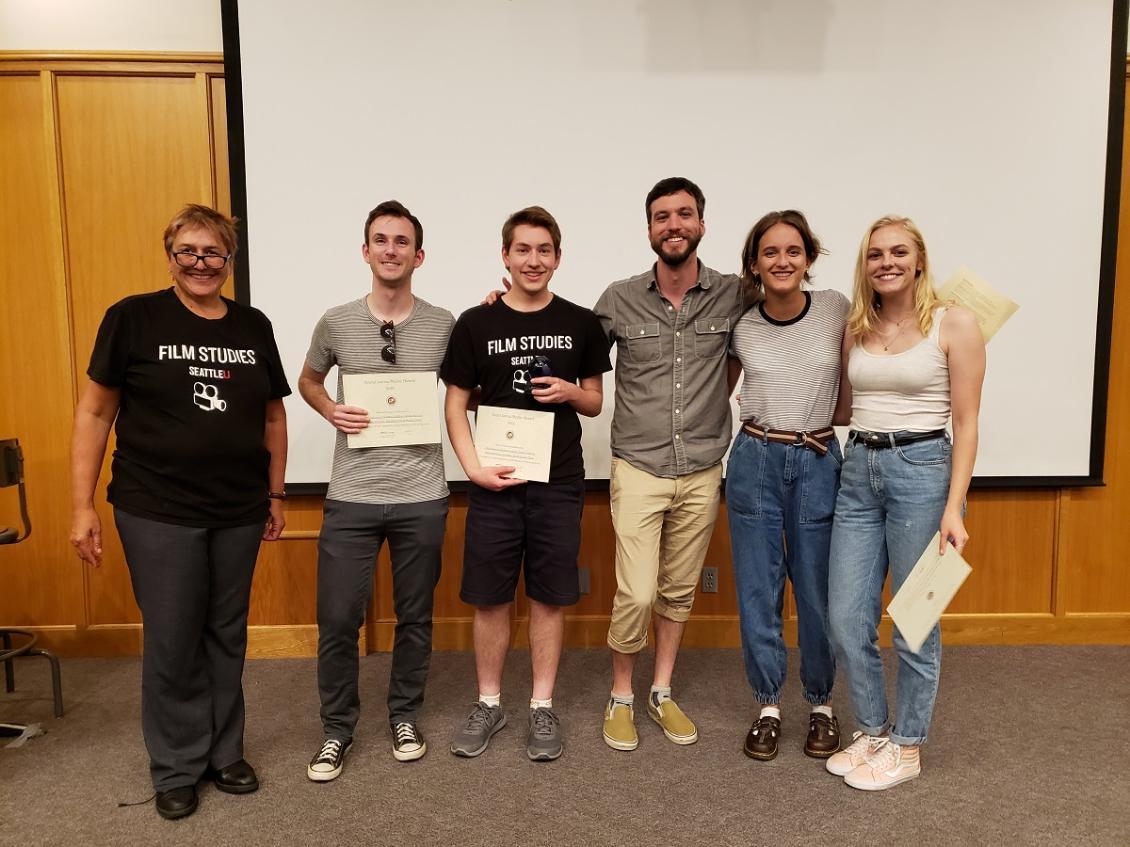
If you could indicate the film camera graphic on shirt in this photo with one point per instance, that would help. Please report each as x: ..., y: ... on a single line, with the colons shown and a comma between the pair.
x: 207, y: 397
x: 539, y: 367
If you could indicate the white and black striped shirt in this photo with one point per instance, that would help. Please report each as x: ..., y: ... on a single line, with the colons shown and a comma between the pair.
x: 350, y: 337
x: 791, y: 369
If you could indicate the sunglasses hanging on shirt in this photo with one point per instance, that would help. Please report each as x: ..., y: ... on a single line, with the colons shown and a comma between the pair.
x: 388, y: 352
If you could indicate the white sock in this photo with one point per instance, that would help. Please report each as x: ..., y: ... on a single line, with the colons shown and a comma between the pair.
x: 659, y: 694
x: 541, y: 704
x: 626, y: 699
x: 770, y: 710
x: 826, y: 709
x: 491, y: 699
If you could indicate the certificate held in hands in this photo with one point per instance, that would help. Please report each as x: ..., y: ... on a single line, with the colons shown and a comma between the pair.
x: 403, y: 408
x: 515, y: 438
x: 927, y: 591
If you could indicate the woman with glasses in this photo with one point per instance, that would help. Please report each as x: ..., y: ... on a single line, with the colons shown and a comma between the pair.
x: 192, y: 384
x: 783, y: 474
x: 916, y: 364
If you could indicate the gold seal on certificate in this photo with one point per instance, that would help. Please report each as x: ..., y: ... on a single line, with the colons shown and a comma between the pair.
x: 403, y: 408
x: 515, y: 438
x: 926, y: 592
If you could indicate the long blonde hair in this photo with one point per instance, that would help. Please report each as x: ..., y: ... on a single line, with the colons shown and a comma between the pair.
x: 863, y: 317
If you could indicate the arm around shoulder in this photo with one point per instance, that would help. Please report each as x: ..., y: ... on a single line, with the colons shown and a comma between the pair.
x: 841, y: 414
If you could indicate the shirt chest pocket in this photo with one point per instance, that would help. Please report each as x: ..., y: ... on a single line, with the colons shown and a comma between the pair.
x: 642, y: 341
x: 710, y: 337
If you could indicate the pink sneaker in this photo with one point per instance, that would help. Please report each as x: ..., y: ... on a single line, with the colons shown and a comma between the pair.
x: 885, y: 769
x: 855, y: 754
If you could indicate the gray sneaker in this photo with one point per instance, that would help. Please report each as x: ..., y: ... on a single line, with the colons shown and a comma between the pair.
x: 543, y: 744
x: 475, y: 734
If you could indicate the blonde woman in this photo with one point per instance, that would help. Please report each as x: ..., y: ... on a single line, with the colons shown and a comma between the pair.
x: 914, y: 365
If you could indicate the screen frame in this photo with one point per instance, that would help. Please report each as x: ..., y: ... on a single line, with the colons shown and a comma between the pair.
x: 1119, y: 66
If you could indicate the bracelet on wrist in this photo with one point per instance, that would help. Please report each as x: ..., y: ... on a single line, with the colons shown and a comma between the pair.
x: 276, y: 495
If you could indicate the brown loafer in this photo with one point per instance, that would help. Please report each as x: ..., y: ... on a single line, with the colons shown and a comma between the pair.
x: 761, y: 742
x: 823, y: 736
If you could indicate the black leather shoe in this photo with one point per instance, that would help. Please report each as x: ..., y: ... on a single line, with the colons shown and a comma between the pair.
x: 823, y: 736
x: 176, y: 802
x: 761, y: 742
x: 237, y: 778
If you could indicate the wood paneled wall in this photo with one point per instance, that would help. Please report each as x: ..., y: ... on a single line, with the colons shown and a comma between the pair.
x: 97, y: 153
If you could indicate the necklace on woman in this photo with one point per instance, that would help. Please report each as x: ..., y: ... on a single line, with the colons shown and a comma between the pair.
x: 898, y: 331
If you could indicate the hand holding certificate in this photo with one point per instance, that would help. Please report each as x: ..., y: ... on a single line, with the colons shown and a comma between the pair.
x: 403, y: 408
x: 927, y: 591
x: 515, y: 438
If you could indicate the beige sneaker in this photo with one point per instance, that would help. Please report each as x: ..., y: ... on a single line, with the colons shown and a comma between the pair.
x: 861, y: 749
x: 676, y: 725
x: 620, y: 726
x: 886, y: 768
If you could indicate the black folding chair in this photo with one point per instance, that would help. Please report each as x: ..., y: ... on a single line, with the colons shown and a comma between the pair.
x: 20, y: 642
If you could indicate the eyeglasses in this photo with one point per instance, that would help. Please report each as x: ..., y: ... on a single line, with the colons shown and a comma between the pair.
x: 188, y: 259
x: 388, y: 352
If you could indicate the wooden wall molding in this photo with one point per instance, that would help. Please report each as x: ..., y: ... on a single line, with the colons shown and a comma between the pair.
x: 589, y: 631
x: 100, y: 61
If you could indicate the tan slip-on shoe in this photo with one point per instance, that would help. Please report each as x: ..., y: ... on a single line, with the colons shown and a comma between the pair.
x: 676, y: 725
x: 620, y: 726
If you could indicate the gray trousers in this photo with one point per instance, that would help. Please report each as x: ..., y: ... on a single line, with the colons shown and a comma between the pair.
x: 351, y: 538
x: 193, y: 586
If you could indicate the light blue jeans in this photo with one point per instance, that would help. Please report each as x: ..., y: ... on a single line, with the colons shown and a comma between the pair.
x: 889, y: 506
x: 779, y: 501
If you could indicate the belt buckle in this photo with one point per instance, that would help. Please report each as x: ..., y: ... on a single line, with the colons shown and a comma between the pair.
x: 872, y: 439
x: 799, y: 440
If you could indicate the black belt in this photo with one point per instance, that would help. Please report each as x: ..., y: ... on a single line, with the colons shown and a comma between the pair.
x: 882, y: 440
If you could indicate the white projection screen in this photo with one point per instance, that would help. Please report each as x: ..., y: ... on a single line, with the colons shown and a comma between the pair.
x: 996, y: 126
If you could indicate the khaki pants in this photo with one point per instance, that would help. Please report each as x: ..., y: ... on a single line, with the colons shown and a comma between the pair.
x: 663, y: 527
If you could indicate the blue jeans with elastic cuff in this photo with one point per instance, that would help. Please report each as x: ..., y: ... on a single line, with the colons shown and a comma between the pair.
x: 779, y: 502
x: 890, y: 504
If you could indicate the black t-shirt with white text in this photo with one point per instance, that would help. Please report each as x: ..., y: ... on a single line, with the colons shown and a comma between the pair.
x: 192, y: 415
x: 493, y: 347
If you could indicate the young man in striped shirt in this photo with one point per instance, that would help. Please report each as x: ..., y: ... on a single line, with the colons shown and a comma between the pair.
x: 398, y: 494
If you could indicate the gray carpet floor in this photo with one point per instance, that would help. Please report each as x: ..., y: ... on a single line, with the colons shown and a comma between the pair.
x: 1029, y: 746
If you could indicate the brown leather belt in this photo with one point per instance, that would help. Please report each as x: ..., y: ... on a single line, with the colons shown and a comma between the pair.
x: 817, y: 440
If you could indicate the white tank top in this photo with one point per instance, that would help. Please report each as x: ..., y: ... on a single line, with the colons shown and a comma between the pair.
x: 908, y: 391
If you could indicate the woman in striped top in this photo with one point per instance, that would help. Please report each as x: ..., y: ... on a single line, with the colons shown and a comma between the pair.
x: 916, y: 364
x: 784, y: 472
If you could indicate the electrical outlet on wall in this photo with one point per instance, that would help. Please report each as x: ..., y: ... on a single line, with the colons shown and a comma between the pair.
x: 710, y: 580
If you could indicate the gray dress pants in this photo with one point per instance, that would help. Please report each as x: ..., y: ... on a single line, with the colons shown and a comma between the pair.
x: 193, y: 586
x: 351, y: 538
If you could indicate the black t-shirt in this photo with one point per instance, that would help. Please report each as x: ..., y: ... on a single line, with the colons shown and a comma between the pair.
x: 493, y: 347
x: 194, y: 395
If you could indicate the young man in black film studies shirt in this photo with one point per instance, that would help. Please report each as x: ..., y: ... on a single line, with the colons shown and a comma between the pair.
x: 528, y: 350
